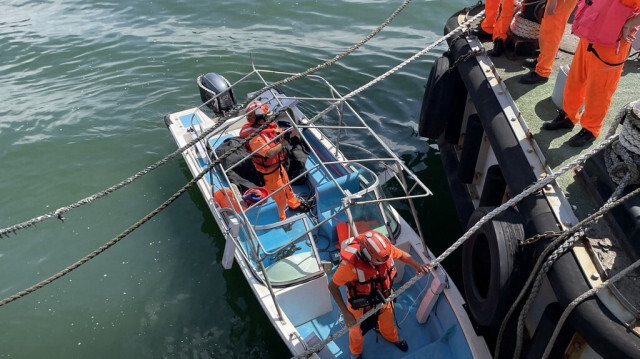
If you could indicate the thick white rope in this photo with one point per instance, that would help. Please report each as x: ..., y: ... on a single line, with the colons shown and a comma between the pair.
x: 408, y: 284
x: 62, y: 210
x: 623, y: 158
x: 577, y: 232
x: 578, y: 300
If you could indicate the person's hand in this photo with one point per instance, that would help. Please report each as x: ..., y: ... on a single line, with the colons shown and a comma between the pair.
x: 349, y: 319
x: 423, y: 269
x: 627, y: 33
x: 551, y: 7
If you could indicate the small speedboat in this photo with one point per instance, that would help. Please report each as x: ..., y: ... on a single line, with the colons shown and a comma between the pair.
x: 351, y: 182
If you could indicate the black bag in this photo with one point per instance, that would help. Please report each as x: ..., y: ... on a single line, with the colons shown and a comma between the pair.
x: 298, y: 151
x: 244, y: 174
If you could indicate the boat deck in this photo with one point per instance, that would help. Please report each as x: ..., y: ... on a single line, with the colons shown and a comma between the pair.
x: 536, y: 106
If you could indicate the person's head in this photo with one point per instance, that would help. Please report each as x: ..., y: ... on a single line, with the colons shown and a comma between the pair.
x: 375, y: 247
x: 257, y: 112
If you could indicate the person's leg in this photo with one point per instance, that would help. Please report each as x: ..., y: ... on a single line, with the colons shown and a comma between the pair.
x: 551, y: 32
x: 292, y: 200
x: 575, y: 87
x: 387, y: 325
x: 602, y: 82
x: 504, y: 20
x: 491, y: 8
x: 272, y: 182
x: 356, y: 339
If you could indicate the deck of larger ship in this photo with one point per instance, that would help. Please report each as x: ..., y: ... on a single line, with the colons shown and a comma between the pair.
x: 536, y: 106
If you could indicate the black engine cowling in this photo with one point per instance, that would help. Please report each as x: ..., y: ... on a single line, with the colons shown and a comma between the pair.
x: 212, y: 84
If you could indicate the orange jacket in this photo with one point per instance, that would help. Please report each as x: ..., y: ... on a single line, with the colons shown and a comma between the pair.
x: 264, y: 164
x: 363, y: 286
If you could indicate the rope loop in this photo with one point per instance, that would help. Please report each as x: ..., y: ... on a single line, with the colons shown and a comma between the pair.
x: 623, y: 157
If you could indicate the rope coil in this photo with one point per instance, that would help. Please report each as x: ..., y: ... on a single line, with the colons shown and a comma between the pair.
x: 623, y: 157
x: 524, y: 28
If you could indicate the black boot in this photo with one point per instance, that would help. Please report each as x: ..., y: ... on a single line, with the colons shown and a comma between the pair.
x: 481, y: 34
x: 561, y: 121
x: 581, y: 138
x: 498, y: 48
x: 533, y: 78
x: 531, y: 63
x: 402, y: 345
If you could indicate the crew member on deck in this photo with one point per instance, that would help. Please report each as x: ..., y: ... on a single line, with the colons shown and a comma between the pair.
x: 368, y: 271
x: 606, y: 30
x: 498, y: 15
x: 269, y: 158
x: 552, y: 28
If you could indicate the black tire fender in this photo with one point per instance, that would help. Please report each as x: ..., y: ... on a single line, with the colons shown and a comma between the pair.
x: 437, y: 99
x: 490, y: 265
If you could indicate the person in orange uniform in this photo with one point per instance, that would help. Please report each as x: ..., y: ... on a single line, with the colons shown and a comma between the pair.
x: 497, y: 18
x: 606, y: 34
x: 367, y: 270
x: 552, y: 27
x: 502, y: 25
x: 491, y: 12
x: 269, y: 158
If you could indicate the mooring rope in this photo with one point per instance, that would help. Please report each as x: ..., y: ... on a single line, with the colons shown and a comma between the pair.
x: 328, y: 62
x: 574, y: 303
x: 139, y: 223
x: 190, y: 184
x: 623, y: 157
x: 412, y: 281
x: 541, y: 259
x: 576, y: 233
x: 62, y: 210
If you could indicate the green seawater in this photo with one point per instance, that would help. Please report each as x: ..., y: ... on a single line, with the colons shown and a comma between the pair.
x: 84, y: 89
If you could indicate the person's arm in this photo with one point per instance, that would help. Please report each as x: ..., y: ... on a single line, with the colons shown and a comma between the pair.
x: 274, y: 151
x: 258, y: 142
x: 408, y: 259
x: 628, y: 30
x: 349, y: 319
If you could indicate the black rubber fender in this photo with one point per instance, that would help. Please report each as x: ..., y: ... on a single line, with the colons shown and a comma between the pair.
x: 490, y: 265
x: 437, y: 100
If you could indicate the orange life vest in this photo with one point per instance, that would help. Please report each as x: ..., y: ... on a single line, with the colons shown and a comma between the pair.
x: 372, y: 281
x: 264, y: 164
x: 600, y: 22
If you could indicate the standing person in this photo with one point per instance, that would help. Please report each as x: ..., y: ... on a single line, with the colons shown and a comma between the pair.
x: 502, y: 25
x: 606, y: 29
x: 368, y: 272
x: 497, y: 17
x: 269, y: 158
x: 491, y: 11
x: 554, y: 21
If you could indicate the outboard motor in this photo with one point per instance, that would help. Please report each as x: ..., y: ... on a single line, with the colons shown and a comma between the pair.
x: 212, y: 84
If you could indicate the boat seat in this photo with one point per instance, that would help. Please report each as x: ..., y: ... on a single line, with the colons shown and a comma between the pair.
x: 329, y: 202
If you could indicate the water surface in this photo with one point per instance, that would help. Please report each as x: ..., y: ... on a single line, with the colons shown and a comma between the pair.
x: 85, y: 87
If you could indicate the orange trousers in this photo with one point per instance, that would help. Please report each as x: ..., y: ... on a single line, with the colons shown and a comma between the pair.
x: 504, y: 20
x: 491, y: 10
x: 593, y: 83
x: 496, y: 21
x: 551, y: 31
x: 275, y: 180
x: 386, y: 323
